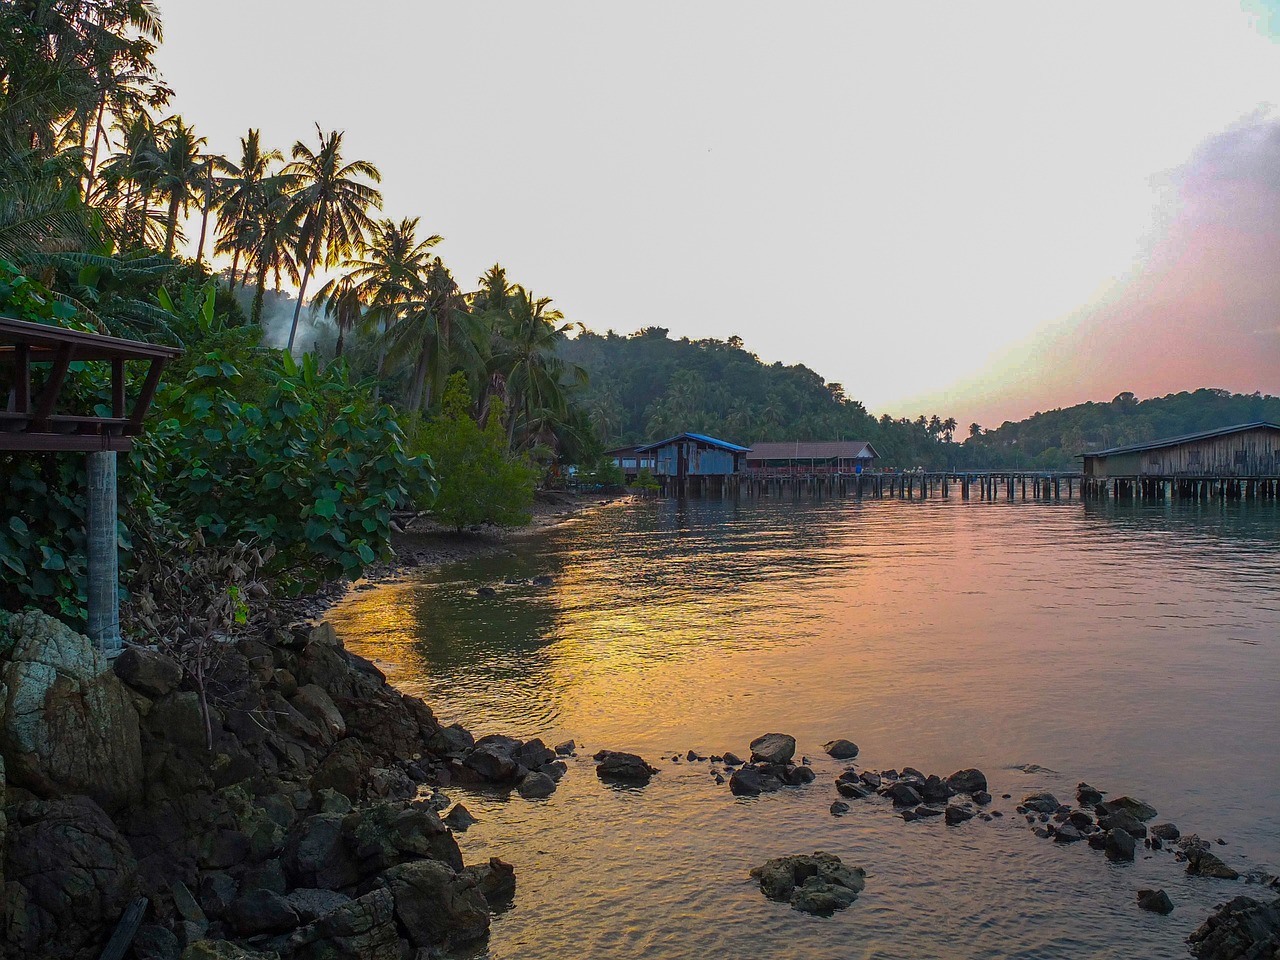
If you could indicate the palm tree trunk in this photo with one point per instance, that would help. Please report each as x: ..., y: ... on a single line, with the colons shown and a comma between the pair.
x: 235, y: 265
x: 342, y: 333
x: 97, y: 133
x: 258, y: 297
x: 419, y: 378
x: 204, y: 216
x: 171, y: 228
x: 293, y: 330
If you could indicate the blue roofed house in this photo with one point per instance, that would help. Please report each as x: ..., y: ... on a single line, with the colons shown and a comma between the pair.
x: 693, y: 455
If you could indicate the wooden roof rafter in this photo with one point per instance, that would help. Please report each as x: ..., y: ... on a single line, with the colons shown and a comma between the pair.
x: 33, y: 424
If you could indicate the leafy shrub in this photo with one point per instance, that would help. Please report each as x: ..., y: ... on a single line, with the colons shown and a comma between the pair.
x: 479, y: 483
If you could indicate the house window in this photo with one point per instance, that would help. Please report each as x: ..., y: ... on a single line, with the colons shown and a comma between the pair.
x: 1193, y: 458
x: 1242, y: 457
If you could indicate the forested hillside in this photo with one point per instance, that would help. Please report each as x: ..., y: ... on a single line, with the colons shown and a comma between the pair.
x: 647, y: 386
x: 1051, y: 439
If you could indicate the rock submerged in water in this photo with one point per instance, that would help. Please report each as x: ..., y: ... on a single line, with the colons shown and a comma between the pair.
x: 623, y: 767
x: 841, y: 749
x: 1157, y: 901
x: 1202, y: 863
x: 1135, y: 808
x: 1041, y: 802
x: 773, y: 748
x: 1242, y: 927
x: 1119, y: 845
x: 1165, y: 831
x: 957, y: 814
x: 1123, y: 820
x: 536, y: 786
x: 817, y: 883
x: 969, y: 781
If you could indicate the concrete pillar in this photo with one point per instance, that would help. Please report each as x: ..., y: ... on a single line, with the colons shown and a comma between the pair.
x: 104, y: 560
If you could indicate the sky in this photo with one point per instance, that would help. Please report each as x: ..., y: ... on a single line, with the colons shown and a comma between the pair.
x: 978, y: 210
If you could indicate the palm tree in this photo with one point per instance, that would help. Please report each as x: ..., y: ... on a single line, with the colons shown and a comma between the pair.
x: 528, y: 361
x: 975, y: 430
x: 177, y: 173
x: 949, y: 428
x: 242, y: 199
x: 341, y: 303
x: 211, y: 187
x: 437, y: 332
x: 274, y: 236
x: 334, y: 206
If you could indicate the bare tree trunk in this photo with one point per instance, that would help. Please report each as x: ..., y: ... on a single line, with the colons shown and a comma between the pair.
x: 171, y: 228
x: 297, y: 310
x: 93, y: 157
x: 204, y: 215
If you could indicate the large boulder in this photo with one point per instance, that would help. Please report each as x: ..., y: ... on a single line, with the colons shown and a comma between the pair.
x: 148, y: 671
x: 773, y: 748
x: 967, y: 781
x: 818, y: 884
x: 436, y: 906
x: 623, y: 767
x: 494, y: 759
x: 841, y: 749
x: 1241, y: 929
x: 495, y: 879
x: 69, y: 876
x: 67, y: 725
x: 1136, y: 808
x: 360, y: 929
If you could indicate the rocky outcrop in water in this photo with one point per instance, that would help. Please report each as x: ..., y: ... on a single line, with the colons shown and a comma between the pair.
x: 817, y: 883
x: 623, y: 767
x: 775, y: 748
x: 303, y: 833
x: 1241, y: 929
x: 841, y: 749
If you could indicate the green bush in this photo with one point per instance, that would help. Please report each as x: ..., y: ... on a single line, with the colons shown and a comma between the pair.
x: 478, y: 482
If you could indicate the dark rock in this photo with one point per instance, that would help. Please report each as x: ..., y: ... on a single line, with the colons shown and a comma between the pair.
x: 148, y: 671
x: 1088, y: 795
x: 1097, y: 840
x: 797, y: 776
x: 345, y: 769
x: 1042, y: 833
x: 543, y: 580
x: 362, y: 929
x: 311, y: 904
x: 555, y: 769
x: 773, y: 748
x: 841, y: 749
x: 981, y: 797
x: 1119, y: 845
x: 912, y: 814
x: 453, y: 739
x: 493, y: 758
x: 1080, y: 820
x: 1041, y: 802
x: 750, y: 781
x: 1157, y: 901
x: 268, y: 875
x: 436, y: 906
x: 1241, y: 929
x: 68, y: 876
x: 217, y: 892
x: 566, y: 749
x: 1067, y: 834
x: 496, y: 880
x: 68, y: 725
x: 732, y: 760
x: 1123, y: 820
x: 1165, y: 831
x: 459, y: 818
x: 935, y: 790
x: 536, y: 786
x: 261, y: 911
x: 1202, y: 863
x: 317, y: 706
x: 957, y: 814
x: 1135, y: 808
x: 904, y: 795
x: 486, y: 592
x: 625, y: 767
x: 154, y: 942
x: 839, y: 808
x: 872, y: 780
x: 852, y: 790
x: 533, y: 754
x: 967, y: 781
x: 924, y: 812
x: 818, y: 884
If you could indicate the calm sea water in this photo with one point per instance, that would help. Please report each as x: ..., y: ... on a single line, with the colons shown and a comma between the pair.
x: 1137, y: 648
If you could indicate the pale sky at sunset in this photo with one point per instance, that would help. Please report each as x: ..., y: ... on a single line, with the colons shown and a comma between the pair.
x: 977, y: 209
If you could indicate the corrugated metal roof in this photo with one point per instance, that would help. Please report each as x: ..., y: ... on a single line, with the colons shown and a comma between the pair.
x: 812, y: 450
x: 701, y: 438
x: 1186, y: 438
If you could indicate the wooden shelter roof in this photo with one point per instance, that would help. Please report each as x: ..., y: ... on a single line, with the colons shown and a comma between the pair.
x: 1185, y: 438
x: 34, y: 424
x: 699, y: 437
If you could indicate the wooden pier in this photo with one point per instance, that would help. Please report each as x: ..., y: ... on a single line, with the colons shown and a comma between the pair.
x: 1197, y: 488
x: 967, y: 485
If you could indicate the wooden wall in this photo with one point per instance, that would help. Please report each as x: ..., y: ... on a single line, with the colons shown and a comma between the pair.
x: 1250, y: 453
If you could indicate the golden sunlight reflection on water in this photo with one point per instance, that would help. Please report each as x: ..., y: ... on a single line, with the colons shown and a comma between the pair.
x: 1135, y: 648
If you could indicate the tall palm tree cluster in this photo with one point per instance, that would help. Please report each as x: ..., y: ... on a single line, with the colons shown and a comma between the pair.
x: 90, y: 169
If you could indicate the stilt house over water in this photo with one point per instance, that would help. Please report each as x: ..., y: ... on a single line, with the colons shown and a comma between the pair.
x: 809, y: 458
x: 1248, y: 450
x: 689, y: 461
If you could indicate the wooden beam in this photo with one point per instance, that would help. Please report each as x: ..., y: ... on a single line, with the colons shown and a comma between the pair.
x: 117, y: 387
x: 148, y: 394
x: 22, y: 379
x: 53, y: 386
